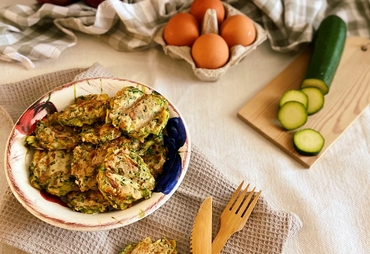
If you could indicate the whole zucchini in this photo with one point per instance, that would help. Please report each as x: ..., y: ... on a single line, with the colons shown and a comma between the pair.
x: 327, y: 51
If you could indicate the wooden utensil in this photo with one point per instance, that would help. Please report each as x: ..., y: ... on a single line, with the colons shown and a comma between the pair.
x: 349, y: 95
x: 201, y: 235
x: 234, y: 216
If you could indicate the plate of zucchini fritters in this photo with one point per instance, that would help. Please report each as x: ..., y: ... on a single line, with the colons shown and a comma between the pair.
x: 96, y: 147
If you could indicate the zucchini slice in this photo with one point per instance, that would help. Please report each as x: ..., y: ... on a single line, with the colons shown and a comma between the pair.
x: 292, y: 115
x: 327, y: 51
x: 294, y: 95
x: 308, y: 142
x: 316, y: 99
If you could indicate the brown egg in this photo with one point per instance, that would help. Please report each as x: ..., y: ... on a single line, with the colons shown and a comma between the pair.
x: 181, y: 30
x: 210, y: 51
x: 238, y: 30
x: 199, y: 7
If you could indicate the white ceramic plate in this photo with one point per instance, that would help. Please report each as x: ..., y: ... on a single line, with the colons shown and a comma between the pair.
x: 18, y: 158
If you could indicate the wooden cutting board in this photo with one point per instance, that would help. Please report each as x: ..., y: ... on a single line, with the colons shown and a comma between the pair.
x: 349, y: 95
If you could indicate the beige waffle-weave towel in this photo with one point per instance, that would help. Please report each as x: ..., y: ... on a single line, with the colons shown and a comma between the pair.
x: 266, y: 231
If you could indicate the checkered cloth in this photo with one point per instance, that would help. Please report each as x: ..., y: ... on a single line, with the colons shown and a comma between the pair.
x: 35, y: 32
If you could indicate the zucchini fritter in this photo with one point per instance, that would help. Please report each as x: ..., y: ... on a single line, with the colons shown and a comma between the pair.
x: 154, y: 154
x: 87, y: 159
x: 125, y: 178
x: 147, y: 246
x: 122, y: 100
x: 138, y: 114
x: 51, y: 135
x: 88, y: 202
x: 85, y: 164
x: 87, y: 109
x: 99, y: 133
x: 51, y: 171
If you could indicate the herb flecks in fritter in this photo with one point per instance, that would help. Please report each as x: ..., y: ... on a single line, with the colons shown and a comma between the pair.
x: 51, y: 171
x: 85, y: 164
x: 87, y: 109
x: 154, y: 154
x: 88, y: 202
x: 87, y: 159
x: 147, y: 246
x: 125, y: 178
x: 138, y: 114
x: 51, y: 135
x: 99, y: 133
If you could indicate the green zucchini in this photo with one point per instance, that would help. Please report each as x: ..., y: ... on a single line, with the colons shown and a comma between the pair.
x: 294, y: 95
x: 292, y: 115
x: 327, y: 51
x: 308, y: 142
x: 316, y: 99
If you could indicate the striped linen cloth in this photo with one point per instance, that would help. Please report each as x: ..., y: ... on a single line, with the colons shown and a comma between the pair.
x: 34, y: 32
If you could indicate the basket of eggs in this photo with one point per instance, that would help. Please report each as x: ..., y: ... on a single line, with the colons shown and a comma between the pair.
x: 212, y: 36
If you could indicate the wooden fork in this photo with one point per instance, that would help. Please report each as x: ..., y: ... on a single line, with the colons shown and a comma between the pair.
x: 234, y: 216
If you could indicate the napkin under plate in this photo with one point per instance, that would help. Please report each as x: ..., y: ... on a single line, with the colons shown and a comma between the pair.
x: 267, y: 230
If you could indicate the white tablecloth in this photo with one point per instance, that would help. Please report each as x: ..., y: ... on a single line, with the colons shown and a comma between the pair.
x: 331, y: 198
